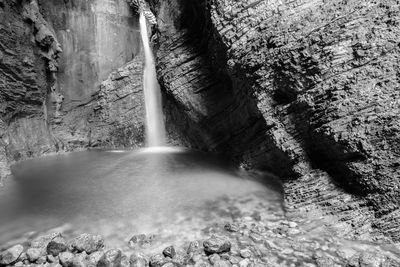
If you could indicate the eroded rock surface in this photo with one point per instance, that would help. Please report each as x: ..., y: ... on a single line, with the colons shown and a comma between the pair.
x: 70, y: 77
x: 306, y: 89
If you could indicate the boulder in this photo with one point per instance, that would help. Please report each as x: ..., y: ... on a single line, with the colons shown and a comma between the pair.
x: 11, y: 255
x: 56, y: 246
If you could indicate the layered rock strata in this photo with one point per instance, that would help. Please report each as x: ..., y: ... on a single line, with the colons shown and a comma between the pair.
x: 305, y: 89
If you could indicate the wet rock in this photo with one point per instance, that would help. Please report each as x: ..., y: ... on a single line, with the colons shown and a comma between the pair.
x: 234, y: 260
x: 157, y: 260
x: 193, y: 247
x: 169, y: 252
x: 245, y: 253
x: 231, y: 227
x: 11, y: 255
x: 42, y: 241
x: 370, y: 259
x: 214, y: 258
x: 34, y: 254
x: 222, y: 263
x: 112, y: 258
x: 23, y: 256
x: 196, y: 257
x: 66, y: 259
x: 180, y: 260
x: 56, y: 246
x: 202, y: 264
x: 216, y: 245
x: 52, y: 259
x: 225, y: 256
x: 324, y: 261
x: 80, y: 260
x: 256, y: 237
x: 244, y: 263
x: 142, y: 240
x: 94, y: 258
x: 41, y: 260
x: 138, y: 260
x: 88, y: 243
x: 125, y: 261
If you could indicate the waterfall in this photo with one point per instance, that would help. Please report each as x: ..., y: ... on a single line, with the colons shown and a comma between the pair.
x: 155, y: 129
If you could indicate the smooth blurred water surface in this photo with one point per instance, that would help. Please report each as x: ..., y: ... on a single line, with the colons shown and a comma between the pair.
x: 148, y: 188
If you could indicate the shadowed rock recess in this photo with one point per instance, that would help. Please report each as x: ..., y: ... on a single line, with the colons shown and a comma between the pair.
x: 308, y: 90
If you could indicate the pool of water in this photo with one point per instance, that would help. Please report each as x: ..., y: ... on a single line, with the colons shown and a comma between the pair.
x: 171, y: 192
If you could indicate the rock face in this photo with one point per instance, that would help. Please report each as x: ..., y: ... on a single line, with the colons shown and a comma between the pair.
x: 56, y: 90
x: 305, y: 89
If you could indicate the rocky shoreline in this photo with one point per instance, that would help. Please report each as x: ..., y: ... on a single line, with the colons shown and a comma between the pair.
x: 245, y: 241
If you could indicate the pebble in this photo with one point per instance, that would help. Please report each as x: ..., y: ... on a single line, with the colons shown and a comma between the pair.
x: 41, y: 260
x: 222, y: 263
x: 244, y: 263
x: 169, y: 252
x: 245, y: 253
x: 231, y: 227
x: 193, y: 247
x: 157, y: 260
x: 80, y: 260
x: 112, y: 258
x: 180, y: 260
x: 214, y: 258
x: 95, y: 257
x: 34, y: 254
x: 66, y: 258
x: 88, y: 243
x: 216, y: 245
x: 138, y: 260
x: 51, y: 258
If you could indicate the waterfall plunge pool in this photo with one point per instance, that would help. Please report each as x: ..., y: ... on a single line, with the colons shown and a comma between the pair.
x: 167, y: 192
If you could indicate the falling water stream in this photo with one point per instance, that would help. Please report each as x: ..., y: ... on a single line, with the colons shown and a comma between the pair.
x: 155, y: 129
x: 172, y: 192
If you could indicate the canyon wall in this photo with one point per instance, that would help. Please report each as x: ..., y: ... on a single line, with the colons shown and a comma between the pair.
x: 70, y: 77
x: 306, y: 89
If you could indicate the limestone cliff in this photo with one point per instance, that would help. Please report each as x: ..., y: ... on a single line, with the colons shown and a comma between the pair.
x: 56, y: 90
x: 307, y: 89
